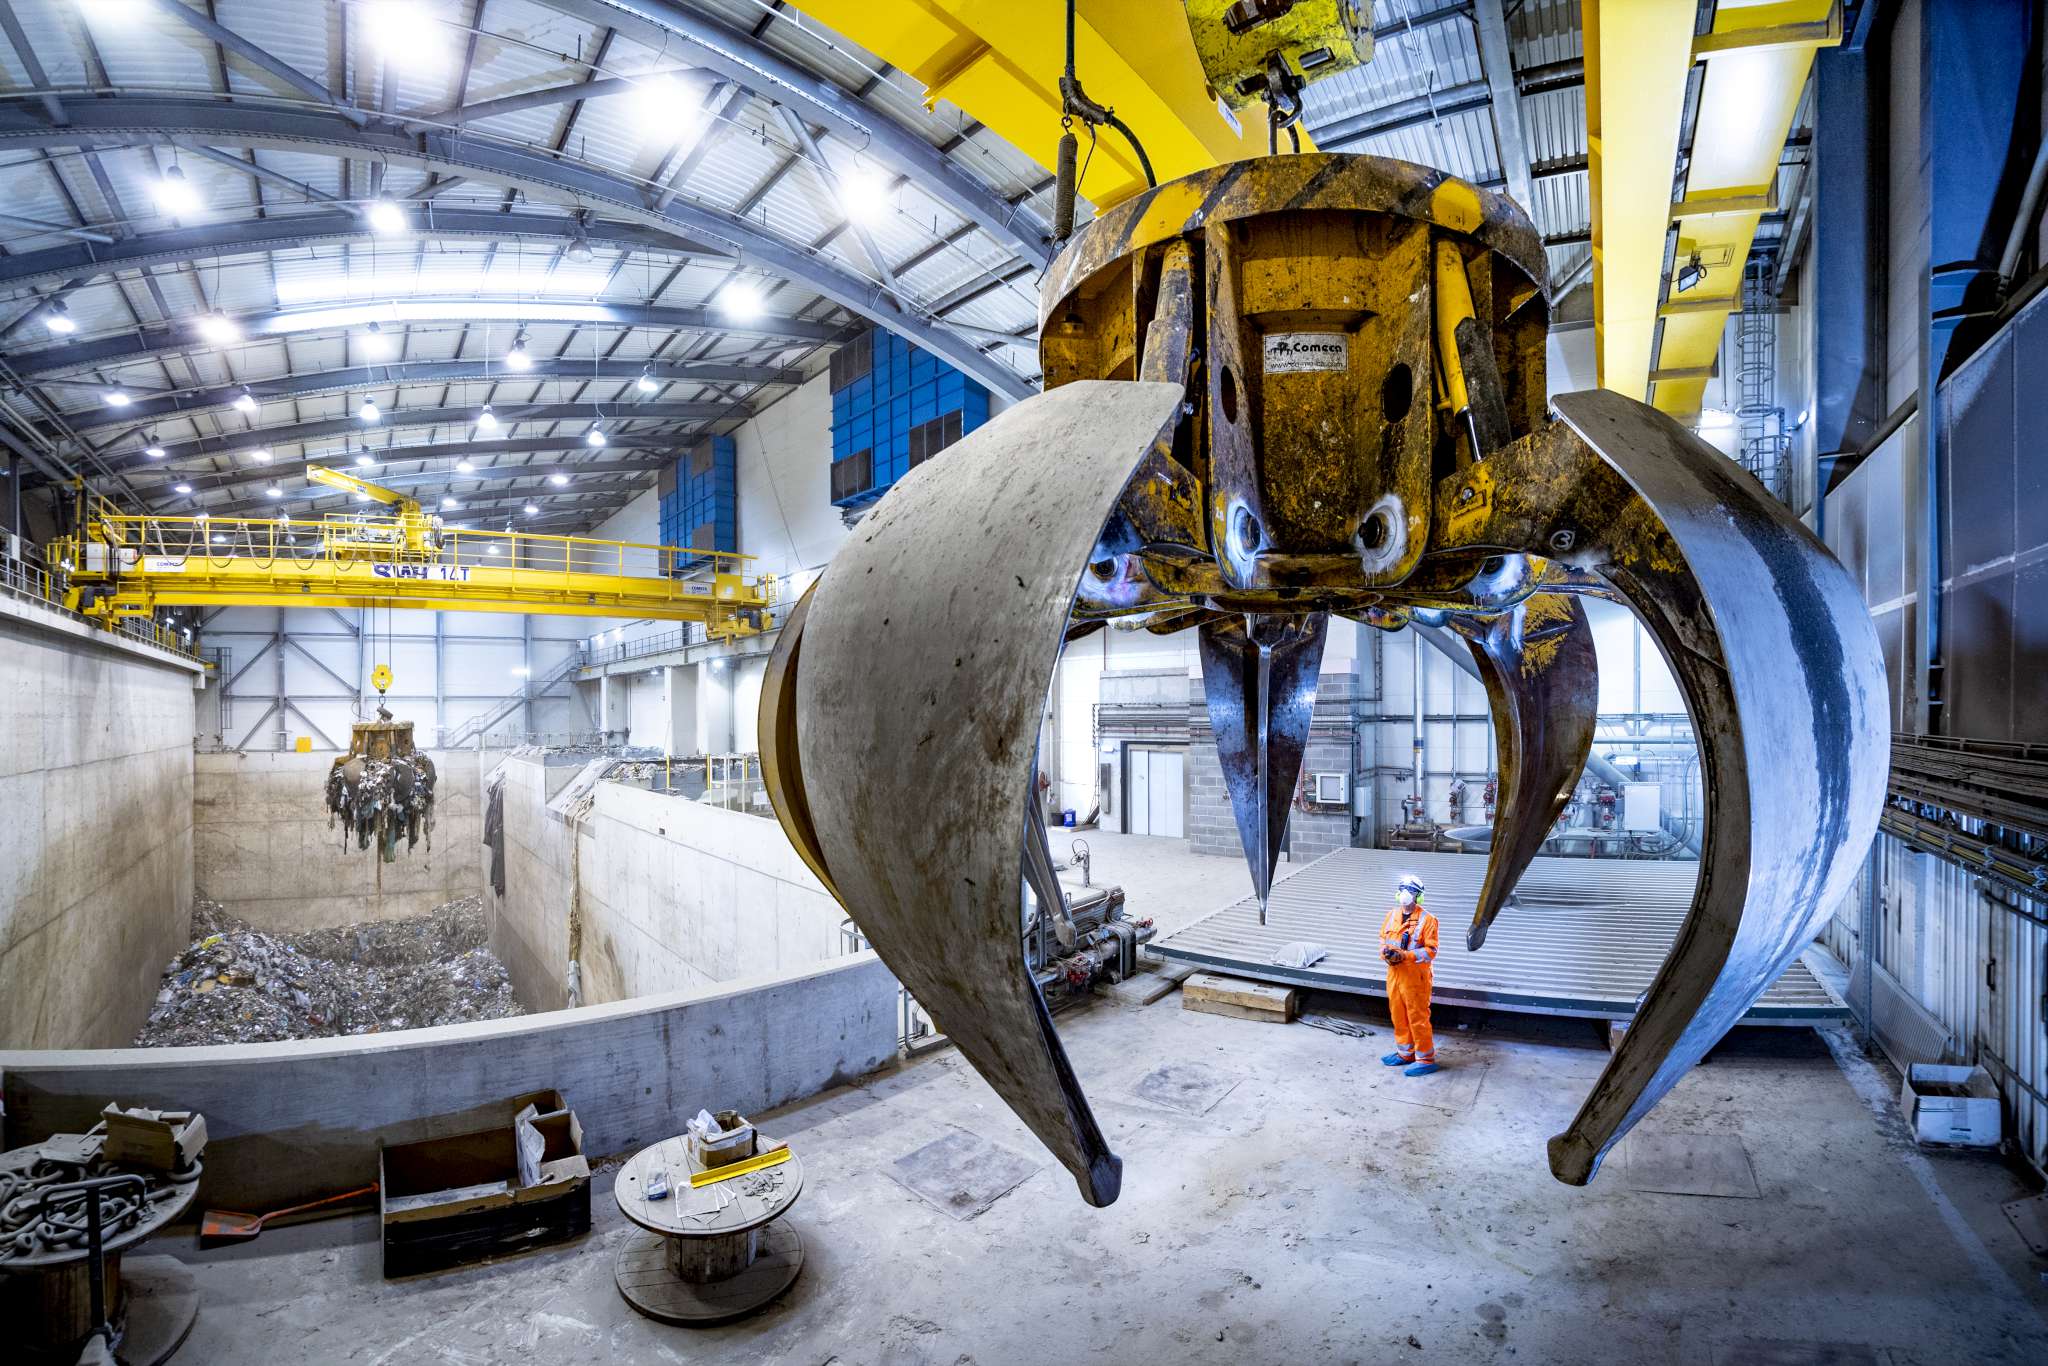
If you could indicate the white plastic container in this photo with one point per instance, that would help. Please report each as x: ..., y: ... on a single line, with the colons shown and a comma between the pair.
x: 1957, y: 1106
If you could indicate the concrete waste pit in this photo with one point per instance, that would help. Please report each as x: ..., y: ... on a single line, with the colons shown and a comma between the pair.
x: 237, y: 984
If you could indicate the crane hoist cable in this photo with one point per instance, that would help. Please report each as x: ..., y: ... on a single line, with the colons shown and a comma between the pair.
x: 1075, y: 104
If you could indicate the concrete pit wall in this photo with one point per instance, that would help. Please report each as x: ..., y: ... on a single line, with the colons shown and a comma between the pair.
x: 288, y: 1122
x: 264, y: 850
x: 95, y: 829
x: 672, y: 894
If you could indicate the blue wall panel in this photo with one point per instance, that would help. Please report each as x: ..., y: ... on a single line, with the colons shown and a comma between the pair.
x: 882, y: 410
x: 706, y: 496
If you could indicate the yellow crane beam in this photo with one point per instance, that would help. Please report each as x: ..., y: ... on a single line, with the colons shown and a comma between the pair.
x: 125, y: 566
x: 1757, y: 60
x: 1655, y: 341
x: 1637, y: 54
x: 1000, y: 61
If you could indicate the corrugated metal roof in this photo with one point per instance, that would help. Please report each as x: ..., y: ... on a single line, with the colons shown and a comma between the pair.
x: 748, y: 164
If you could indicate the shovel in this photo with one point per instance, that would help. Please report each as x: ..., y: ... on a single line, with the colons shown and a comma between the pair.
x: 219, y: 1226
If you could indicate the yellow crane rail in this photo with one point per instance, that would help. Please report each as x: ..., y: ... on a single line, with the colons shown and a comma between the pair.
x: 131, y: 566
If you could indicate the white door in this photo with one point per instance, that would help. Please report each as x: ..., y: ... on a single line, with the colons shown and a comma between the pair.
x: 1164, y: 792
x: 1138, y: 809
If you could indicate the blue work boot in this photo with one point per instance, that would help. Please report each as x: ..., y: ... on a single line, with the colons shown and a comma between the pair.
x: 1422, y: 1069
x: 1396, y: 1060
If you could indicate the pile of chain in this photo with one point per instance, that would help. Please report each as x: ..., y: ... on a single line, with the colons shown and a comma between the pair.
x: 384, y: 798
x: 28, y: 1230
x: 236, y: 984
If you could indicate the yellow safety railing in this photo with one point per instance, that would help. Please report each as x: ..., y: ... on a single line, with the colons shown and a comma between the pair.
x: 348, y: 540
x: 29, y: 582
x: 128, y: 565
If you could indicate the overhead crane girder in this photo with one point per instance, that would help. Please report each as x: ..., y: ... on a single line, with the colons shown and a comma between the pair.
x: 999, y: 60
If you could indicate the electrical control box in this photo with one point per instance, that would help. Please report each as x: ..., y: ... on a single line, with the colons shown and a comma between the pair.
x: 1642, y: 807
x: 1331, y: 789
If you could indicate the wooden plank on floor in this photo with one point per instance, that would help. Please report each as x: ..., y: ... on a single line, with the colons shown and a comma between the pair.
x: 1238, y: 997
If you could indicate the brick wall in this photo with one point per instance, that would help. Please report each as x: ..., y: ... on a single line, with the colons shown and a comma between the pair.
x: 1212, y: 829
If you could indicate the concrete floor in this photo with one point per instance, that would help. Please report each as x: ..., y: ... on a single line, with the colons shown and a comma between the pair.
x: 1161, y: 879
x: 1325, y: 1209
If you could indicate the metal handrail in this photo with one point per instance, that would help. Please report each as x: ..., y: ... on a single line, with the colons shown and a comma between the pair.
x: 337, y: 539
x: 33, y: 583
x: 480, y: 723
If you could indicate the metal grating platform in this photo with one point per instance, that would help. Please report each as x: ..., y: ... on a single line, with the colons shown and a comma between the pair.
x: 1585, y: 937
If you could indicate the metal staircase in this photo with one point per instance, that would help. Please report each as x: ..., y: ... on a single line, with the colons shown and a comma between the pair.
x: 480, y: 724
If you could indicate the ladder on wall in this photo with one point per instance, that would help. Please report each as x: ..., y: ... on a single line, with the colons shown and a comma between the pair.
x: 1766, y: 446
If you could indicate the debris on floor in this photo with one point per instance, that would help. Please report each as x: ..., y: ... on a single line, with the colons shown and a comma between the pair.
x: 237, y: 984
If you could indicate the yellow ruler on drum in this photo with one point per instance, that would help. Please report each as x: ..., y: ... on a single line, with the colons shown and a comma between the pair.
x: 752, y: 1164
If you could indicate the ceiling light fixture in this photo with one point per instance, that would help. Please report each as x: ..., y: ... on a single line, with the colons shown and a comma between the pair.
x: 464, y: 467
x: 363, y: 460
x: 647, y: 384
x: 386, y: 217
x: 864, y: 194
x: 219, y: 539
x: 175, y: 194
x: 532, y: 510
x: 153, y: 450
x: 260, y: 456
x: 490, y: 550
x: 375, y: 344
x: 218, y: 328
x: 245, y: 401
x: 401, y: 34
x: 181, y: 488
x: 665, y: 104
x: 274, y: 492
x: 740, y: 302
x: 487, y: 421
x: 369, y: 412
x: 117, y: 398
x: 517, y: 358
x: 595, y: 436
x: 579, y: 246
x: 450, y: 503
x: 558, y: 479
x: 58, y: 318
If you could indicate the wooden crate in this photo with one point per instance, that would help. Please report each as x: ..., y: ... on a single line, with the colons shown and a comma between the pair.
x: 1214, y: 994
x: 445, y: 1201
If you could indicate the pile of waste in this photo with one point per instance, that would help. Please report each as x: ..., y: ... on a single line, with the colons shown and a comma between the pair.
x: 236, y: 984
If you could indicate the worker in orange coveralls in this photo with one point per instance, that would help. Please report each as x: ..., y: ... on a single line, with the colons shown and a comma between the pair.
x: 1408, y: 943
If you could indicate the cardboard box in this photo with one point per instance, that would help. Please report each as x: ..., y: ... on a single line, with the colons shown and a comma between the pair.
x: 444, y: 1201
x: 1951, y: 1105
x: 159, y: 1140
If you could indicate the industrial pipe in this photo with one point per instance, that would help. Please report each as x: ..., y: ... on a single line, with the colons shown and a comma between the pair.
x: 2030, y: 203
x: 1416, y: 697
